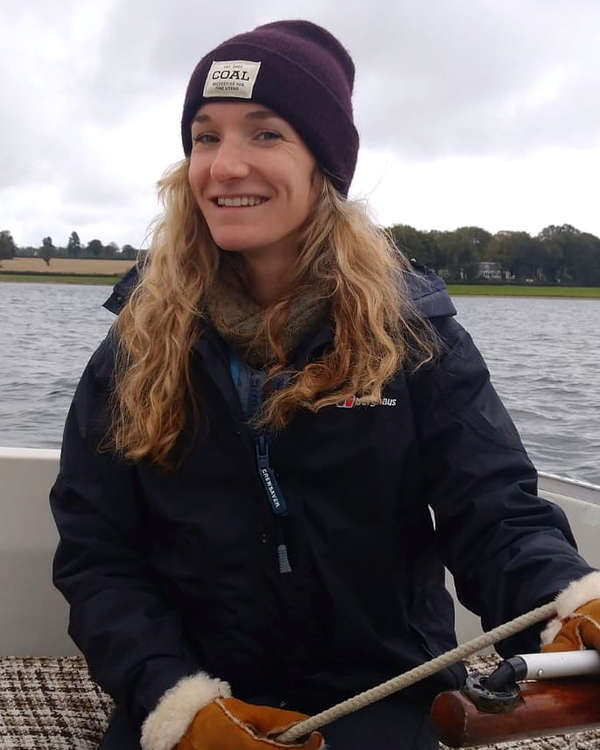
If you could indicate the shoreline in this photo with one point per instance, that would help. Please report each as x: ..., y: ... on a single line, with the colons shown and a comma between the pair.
x: 524, y: 290
x: 59, y: 278
x: 455, y: 290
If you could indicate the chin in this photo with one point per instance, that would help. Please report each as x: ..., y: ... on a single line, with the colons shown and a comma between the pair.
x: 234, y: 243
x: 231, y: 246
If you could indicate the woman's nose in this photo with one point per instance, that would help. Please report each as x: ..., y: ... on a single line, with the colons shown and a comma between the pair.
x: 229, y: 162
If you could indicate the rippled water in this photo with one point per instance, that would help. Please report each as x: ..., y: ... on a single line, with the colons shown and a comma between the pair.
x: 543, y: 355
x: 47, y: 334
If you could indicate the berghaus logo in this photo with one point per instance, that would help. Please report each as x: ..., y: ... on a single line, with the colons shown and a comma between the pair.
x: 353, y: 401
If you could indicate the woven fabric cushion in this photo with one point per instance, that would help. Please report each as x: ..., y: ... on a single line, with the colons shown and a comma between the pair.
x: 52, y: 704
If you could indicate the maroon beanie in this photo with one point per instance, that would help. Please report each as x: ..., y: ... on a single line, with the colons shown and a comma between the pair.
x: 299, y: 70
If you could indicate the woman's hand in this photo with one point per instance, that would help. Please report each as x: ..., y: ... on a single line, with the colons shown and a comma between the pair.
x: 231, y: 724
x: 579, y: 630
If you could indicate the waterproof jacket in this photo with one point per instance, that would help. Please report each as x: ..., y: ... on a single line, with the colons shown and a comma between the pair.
x: 170, y: 573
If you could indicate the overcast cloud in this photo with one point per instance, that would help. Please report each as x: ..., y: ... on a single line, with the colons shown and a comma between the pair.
x: 470, y: 112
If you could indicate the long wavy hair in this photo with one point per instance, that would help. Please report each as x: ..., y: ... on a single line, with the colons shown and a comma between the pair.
x: 376, y: 329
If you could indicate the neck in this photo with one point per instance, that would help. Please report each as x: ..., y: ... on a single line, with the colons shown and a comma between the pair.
x: 268, y: 275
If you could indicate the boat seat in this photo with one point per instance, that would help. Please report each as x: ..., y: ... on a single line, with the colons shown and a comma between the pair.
x: 50, y: 703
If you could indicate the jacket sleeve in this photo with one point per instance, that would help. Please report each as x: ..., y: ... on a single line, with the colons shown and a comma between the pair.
x: 132, y: 638
x: 508, y: 549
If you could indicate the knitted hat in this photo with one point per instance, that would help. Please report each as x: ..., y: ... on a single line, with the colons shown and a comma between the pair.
x: 299, y: 70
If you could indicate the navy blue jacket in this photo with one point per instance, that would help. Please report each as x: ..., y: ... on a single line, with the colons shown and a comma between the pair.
x: 168, y: 574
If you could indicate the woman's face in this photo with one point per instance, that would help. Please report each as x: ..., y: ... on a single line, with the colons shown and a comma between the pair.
x: 252, y: 176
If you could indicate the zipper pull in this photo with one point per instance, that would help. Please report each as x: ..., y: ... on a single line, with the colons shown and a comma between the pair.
x: 267, y: 477
x: 283, y: 559
x: 275, y: 497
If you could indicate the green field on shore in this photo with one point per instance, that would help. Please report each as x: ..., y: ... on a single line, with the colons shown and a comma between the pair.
x: 493, y: 290
x: 59, y: 278
x: 516, y: 290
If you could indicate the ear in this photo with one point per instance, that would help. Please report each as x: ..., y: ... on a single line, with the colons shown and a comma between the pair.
x: 316, y: 178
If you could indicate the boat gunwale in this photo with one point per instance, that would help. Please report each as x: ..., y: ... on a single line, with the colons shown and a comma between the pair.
x: 8, y: 452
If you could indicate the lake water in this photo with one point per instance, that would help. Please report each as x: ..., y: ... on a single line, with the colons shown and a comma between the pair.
x: 543, y: 354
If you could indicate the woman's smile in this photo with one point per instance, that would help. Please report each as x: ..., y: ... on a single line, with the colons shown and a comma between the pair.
x: 239, y: 201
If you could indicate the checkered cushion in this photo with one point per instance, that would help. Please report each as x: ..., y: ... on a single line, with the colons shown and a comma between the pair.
x: 52, y: 704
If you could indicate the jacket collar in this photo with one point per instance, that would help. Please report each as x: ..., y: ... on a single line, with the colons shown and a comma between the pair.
x: 426, y: 289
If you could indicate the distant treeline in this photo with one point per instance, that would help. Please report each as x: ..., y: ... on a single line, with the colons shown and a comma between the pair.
x: 73, y: 249
x: 557, y: 255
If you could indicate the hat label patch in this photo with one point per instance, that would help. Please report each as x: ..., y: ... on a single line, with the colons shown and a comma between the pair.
x: 234, y: 78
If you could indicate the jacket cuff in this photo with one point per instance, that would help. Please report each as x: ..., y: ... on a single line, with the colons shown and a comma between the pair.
x: 168, y: 722
x: 574, y: 596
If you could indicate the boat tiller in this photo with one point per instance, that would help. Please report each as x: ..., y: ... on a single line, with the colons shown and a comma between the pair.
x: 527, y: 696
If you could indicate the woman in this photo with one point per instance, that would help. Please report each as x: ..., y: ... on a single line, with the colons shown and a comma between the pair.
x: 251, y: 455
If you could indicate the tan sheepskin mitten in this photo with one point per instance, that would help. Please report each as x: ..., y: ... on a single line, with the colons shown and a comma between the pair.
x: 577, y: 622
x: 579, y: 630
x: 231, y: 724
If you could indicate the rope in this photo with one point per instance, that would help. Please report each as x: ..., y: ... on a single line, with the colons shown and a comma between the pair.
x: 419, y: 673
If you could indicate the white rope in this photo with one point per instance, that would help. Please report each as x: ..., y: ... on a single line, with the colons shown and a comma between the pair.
x: 419, y: 673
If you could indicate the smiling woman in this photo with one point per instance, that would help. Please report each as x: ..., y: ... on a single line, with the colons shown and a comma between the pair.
x: 241, y: 539
x: 255, y: 183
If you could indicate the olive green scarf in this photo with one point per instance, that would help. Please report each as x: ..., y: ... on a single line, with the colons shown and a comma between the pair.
x: 240, y: 320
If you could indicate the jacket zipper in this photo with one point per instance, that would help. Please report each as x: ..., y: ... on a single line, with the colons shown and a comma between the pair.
x: 263, y: 463
x: 275, y: 497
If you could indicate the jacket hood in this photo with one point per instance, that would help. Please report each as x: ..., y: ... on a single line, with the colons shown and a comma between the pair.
x: 426, y: 289
x: 121, y: 291
x: 428, y: 292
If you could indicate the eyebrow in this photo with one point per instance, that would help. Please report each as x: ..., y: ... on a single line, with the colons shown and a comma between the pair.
x: 255, y: 114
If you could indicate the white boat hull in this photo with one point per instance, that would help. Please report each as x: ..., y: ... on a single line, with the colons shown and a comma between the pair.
x: 34, y: 615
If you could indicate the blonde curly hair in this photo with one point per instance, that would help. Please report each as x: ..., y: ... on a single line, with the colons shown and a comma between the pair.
x: 376, y: 329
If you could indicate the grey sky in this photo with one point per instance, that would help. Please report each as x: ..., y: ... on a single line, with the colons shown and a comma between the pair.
x: 470, y: 112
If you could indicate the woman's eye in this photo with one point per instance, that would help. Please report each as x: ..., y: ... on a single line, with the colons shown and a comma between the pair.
x: 205, y: 138
x: 268, y: 135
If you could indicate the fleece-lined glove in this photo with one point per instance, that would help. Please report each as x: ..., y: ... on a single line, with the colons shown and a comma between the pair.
x: 579, y: 630
x: 577, y: 624
x: 231, y: 724
x: 198, y: 713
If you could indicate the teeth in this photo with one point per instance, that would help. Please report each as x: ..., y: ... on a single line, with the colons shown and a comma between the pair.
x: 241, y: 200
